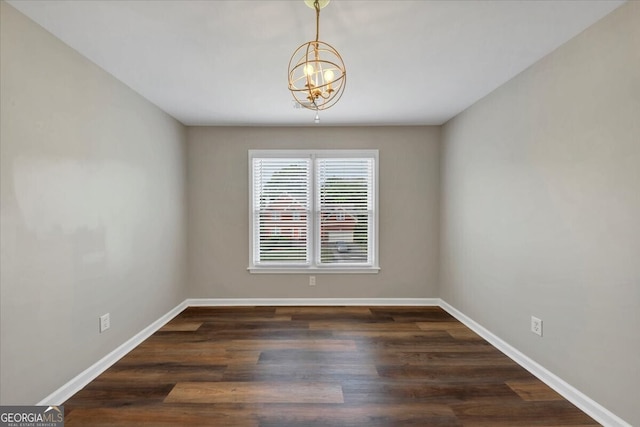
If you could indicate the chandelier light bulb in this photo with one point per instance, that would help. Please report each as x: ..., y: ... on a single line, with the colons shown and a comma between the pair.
x: 308, y: 70
x: 328, y: 76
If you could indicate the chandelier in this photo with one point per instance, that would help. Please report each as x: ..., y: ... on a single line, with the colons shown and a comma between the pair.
x: 317, y: 75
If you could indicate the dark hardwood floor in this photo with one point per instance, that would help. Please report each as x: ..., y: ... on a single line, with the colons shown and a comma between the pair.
x: 318, y: 366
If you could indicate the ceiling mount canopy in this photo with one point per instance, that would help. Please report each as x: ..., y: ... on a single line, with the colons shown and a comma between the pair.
x: 321, y: 3
x: 317, y: 75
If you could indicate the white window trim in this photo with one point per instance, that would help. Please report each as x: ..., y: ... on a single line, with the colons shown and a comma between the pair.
x: 374, y: 268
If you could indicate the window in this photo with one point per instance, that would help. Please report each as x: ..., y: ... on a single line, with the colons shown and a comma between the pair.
x: 313, y: 210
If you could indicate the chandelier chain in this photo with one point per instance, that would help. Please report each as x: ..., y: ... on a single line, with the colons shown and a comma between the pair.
x: 316, y: 4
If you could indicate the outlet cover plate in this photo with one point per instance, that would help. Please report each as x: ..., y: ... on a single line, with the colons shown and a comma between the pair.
x: 105, y: 322
x: 536, y: 326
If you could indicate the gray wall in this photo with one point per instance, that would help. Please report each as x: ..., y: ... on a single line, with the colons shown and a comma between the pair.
x: 93, y: 211
x: 219, y: 213
x: 541, y: 211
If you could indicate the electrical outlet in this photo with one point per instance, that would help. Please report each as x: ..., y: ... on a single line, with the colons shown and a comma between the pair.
x: 536, y: 326
x: 105, y: 322
x: 312, y: 280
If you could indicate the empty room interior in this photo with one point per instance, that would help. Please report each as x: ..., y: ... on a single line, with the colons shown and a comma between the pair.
x: 203, y: 224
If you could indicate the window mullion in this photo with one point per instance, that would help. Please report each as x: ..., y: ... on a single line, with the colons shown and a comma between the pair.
x: 314, y: 225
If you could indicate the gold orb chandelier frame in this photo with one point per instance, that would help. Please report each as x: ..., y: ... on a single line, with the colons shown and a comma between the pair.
x: 317, y: 75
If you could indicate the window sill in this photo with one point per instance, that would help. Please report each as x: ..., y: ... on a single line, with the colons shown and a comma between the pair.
x: 313, y: 270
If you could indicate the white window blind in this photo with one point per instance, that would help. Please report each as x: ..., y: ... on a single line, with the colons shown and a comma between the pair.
x: 281, y: 210
x: 345, y: 203
x: 313, y: 210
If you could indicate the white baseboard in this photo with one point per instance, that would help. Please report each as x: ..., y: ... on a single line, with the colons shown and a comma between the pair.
x: 250, y: 302
x: 582, y: 401
x: 589, y: 406
x: 77, y: 383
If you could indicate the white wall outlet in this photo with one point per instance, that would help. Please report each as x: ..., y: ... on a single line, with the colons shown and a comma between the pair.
x: 105, y: 322
x: 312, y: 280
x: 536, y: 326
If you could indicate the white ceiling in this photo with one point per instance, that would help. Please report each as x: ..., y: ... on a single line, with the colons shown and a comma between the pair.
x: 225, y: 62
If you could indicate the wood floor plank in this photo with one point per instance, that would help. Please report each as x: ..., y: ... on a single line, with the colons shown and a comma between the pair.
x: 260, y: 392
x: 98, y: 395
x: 454, y: 374
x: 336, y: 325
x: 170, y: 373
x: 435, y: 347
x: 534, y: 391
x: 299, y: 372
x: 435, y: 358
x: 202, y: 357
x: 302, y: 344
x: 238, y: 311
x: 415, y: 314
x: 230, y: 317
x: 520, y: 413
x: 180, y: 327
x: 386, y: 335
x: 364, y: 415
x: 369, y: 391
x: 272, y: 334
x: 229, y: 324
x: 187, y: 344
x: 440, y: 326
x: 464, y: 334
x: 324, y: 310
x: 306, y: 357
x: 158, y: 416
